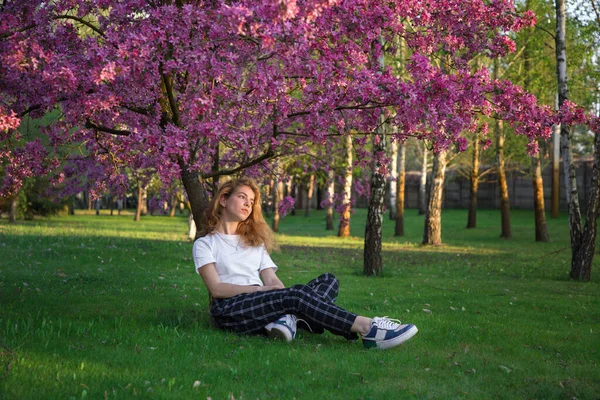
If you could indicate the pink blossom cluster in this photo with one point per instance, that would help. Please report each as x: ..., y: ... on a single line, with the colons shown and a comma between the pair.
x: 23, y: 162
x: 8, y: 122
x: 285, y: 205
x: 220, y: 86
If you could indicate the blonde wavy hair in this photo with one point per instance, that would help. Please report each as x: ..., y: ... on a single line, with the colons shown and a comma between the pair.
x: 254, y: 231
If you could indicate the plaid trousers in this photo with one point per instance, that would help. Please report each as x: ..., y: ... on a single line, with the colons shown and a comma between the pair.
x: 249, y: 313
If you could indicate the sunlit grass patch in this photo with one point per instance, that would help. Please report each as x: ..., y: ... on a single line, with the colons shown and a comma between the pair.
x: 103, y: 307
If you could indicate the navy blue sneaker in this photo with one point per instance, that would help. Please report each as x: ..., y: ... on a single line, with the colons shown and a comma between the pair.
x: 283, y: 328
x: 386, y: 333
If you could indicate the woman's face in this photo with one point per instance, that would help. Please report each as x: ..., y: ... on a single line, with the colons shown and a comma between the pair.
x: 238, y: 206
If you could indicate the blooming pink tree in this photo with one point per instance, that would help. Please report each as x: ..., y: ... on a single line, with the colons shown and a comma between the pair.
x: 196, y: 90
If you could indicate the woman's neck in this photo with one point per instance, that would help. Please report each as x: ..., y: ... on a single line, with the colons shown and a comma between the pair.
x: 227, y: 228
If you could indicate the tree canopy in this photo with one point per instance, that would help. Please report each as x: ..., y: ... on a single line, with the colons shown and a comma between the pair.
x: 202, y: 89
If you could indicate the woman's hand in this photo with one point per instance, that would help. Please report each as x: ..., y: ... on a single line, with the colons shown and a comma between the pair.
x: 266, y: 288
x: 270, y: 279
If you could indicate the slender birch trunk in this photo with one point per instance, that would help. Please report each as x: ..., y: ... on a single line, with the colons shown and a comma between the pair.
x: 373, y: 264
x: 472, y: 218
x: 541, y: 229
x: 330, y: 192
x: 506, y: 232
x: 277, y: 196
x: 138, y: 210
x: 173, y: 206
x: 12, y: 215
x: 399, y: 228
x: 309, y: 194
x: 423, y: 182
x: 433, y: 218
x: 299, y: 196
x: 393, y: 193
x: 344, y: 228
x: 555, y: 200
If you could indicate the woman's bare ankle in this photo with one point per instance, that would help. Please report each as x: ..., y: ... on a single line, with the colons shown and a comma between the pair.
x: 361, y: 325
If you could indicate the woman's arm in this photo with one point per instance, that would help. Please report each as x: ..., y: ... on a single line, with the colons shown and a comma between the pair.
x: 269, y: 278
x: 220, y: 290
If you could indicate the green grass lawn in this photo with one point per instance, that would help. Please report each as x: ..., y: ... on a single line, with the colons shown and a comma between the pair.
x: 102, y: 307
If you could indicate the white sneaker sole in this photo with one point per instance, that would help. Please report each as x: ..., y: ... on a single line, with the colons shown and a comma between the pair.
x: 277, y: 331
x: 398, y: 340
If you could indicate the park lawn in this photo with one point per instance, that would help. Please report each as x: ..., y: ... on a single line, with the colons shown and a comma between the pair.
x: 103, y: 307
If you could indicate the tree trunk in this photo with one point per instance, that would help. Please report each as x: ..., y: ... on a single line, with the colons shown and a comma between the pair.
x: 173, y: 206
x: 277, y: 196
x: 433, y: 218
x: 423, y: 182
x: 98, y: 203
x: 541, y: 230
x: 373, y: 264
x: 12, y: 215
x: 506, y: 232
x: 472, y: 219
x: 330, y: 192
x: 268, y: 199
x: 89, y: 200
x: 399, y: 228
x: 309, y: 195
x: 393, y: 193
x: 192, y: 227
x: 294, y: 194
x: 299, y: 196
x: 138, y: 211
x: 555, y: 202
x: 583, y: 255
x: 344, y: 228
x: 319, y: 193
x: 197, y: 196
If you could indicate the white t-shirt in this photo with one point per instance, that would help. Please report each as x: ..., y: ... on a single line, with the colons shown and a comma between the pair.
x: 235, y: 262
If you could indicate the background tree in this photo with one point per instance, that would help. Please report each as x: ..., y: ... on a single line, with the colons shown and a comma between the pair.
x: 373, y: 264
x: 401, y: 188
x: 346, y: 206
x: 541, y: 229
x: 423, y: 180
x: 583, y: 237
x: 433, y: 218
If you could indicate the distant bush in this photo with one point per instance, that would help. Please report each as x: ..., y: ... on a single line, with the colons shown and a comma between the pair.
x: 34, y: 199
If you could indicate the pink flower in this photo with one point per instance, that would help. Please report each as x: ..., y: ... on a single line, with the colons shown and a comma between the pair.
x: 285, y: 205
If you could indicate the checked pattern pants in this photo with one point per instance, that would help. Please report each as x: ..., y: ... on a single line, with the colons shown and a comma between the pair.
x: 249, y: 313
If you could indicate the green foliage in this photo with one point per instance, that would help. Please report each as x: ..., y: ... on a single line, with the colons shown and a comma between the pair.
x: 102, y: 307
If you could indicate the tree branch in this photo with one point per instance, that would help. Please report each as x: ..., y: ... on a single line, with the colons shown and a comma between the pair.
x: 138, y: 110
x: 30, y: 109
x: 545, y: 30
x: 340, y: 108
x: 267, y: 155
x: 23, y: 29
x: 118, y: 132
x: 83, y: 22
x: 168, y: 82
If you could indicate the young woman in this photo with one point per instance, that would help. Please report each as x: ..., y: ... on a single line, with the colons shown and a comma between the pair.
x: 247, y: 296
